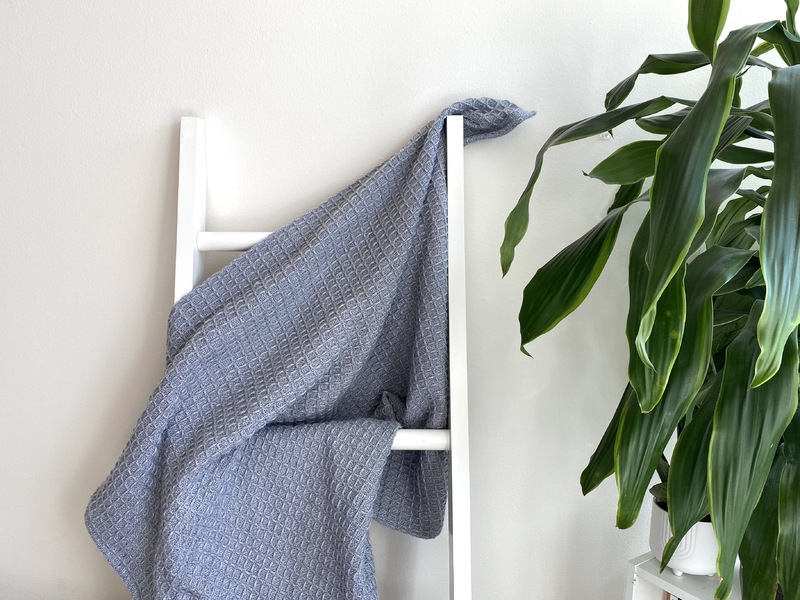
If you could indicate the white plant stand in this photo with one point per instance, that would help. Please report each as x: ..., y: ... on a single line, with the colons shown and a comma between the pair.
x: 644, y: 582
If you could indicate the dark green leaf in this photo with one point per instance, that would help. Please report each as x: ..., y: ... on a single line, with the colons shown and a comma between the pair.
x: 678, y: 191
x: 723, y: 317
x: 707, y: 393
x: 748, y: 424
x: 740, y: 155
x: 742, y: 234
x: 641, y: 438
x: 740, y: 280
x: 760, y: 134
x: 626, y: 194
x: 721, y: 185
x: 760, y: 113
x: 762, y: 49
x: 735, y: 126
x: 789, y: 530
x: 780, y: 227
x: 756, y: 280
x: 791, y: 439
x: 649, y: 381
x: 786, y: 43
x: 763, y: 173
x: 759, y: 548
x: 728, y: 225
x: 517, y: 222
x: 706, y: 20
x: 687, y: 489
x: 663, y: 124
x: 744, y: 122
x: 753, y: 195
x: 663, y: 468
x: 739, y: 304
x: 752, y: 226
x: 789, y: 513
x: 660, y: 64
x: 791, y: 14
x: 630, y: 164
x: 659, y: 492
x: 761, y: 63
x: 725, y: 334
x: 563, y: 283
x: 737, y: 92
x: 601, y: 464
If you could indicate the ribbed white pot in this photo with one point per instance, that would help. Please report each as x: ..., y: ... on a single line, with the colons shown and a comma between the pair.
x: 697, y: 552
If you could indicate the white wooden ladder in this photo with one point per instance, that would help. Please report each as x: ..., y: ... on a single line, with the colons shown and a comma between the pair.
x: 193, y: 239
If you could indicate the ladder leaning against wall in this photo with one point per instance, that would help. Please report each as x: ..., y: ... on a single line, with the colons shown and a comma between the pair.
x: 193, y: 240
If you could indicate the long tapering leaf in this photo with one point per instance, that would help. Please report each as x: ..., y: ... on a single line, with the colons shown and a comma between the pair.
x: 629, y: 164
x: 762, y: 172
x: 649, y: 380
x: 659, y: 64
x: 723, y: 336
x: 732, y: 307
x: 789, y: 514
x: 687, y: 488
x: 728, y: 227
x: 721, y: 185
x: 742, y: 234
x: 641, y: 438
x: 762, y: 120
x: 679, y: 184
x: 741, y: 279
x: 517, y: 222
x: 780, y: 227
x: 734, y: 127
x: 748, y: 424
x: 637, y: 160
x: 706, y: 20
x: 637, y: 278
x: 560, y: 286
x: 791, y: 438
x: 786, y: 43
x: 601, y: 464
x: 740, y: 155
x: 756, y: 127
x: 789, y: 531
x: 627, y: 194
x: 759, y: 548
x: 663, y: 124
x: 791, y: 15
x: 664, y: 344
x: 756, y: 196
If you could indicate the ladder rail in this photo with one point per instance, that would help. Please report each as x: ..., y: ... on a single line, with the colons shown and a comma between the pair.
x: 460, y: 527
x: 193, y: 239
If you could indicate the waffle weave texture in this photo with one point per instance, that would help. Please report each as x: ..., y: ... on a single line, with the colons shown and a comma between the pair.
x: 265, y: 451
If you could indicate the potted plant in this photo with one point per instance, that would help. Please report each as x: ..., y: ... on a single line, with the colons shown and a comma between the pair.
x: 714, y: 283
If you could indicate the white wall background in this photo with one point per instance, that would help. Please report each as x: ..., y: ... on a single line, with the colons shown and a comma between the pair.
x: 301, y: 98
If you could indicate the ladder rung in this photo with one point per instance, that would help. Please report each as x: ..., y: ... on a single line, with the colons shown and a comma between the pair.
x: 422, y: 439
x: 228, y: 241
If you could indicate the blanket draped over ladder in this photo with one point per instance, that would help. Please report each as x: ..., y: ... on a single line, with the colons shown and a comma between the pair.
x: 265, y: 451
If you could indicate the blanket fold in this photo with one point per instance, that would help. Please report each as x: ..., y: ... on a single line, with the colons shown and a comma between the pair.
x: 265, y: 451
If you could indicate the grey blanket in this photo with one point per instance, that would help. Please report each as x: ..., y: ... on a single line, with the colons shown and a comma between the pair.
x: 264, y: 452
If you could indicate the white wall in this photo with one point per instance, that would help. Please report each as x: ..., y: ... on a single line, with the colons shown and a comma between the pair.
x: 301, y: 98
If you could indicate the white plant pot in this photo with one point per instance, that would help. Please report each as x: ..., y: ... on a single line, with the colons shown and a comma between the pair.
x: 697, y: 552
